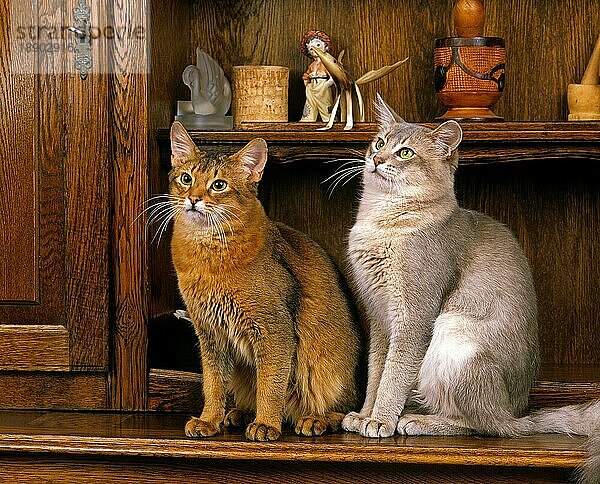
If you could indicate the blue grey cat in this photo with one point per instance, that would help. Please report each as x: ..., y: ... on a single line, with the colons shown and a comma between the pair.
x: 449, y: 298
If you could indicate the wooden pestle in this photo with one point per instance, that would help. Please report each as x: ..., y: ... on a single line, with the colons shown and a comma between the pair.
x: 592, y: 71
x: 469, y: 17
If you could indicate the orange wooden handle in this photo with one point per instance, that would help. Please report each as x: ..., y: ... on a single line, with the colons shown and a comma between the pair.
x: 469, y: 17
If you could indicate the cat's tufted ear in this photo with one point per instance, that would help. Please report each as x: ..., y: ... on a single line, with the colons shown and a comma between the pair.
x: 253, y: 158
x: 449, y: 135
x: 386, y: 115
x: 182, y: 146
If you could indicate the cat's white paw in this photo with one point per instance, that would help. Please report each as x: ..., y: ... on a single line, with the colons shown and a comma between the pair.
x: 372, y: 427
x: 352, y: 422
x: 409, y: 425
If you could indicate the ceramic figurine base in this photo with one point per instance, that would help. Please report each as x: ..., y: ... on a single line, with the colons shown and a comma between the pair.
x: 208, y: 122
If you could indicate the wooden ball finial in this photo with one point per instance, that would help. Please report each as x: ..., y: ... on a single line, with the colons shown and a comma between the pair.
x: 469, y: 17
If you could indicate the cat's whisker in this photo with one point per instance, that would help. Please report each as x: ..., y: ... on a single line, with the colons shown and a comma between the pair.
x: 155, y: 206
x: 160, y: 213
x: 222, y: 217
x: 341, y: 171
x: 163, y: 196
x: 215, y: 222
x: 352, y: 163
x: 345, y: 173
x: 229, y: 216
x: 349, y: 160
x: 345, y: 177
x: 228, y: 209
x: 155, y: 209
x: 338, y: 185
x: 351, y: 177
x: 164, y: 224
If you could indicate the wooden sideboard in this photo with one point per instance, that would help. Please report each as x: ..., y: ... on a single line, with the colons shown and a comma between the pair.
x: 86, y: 300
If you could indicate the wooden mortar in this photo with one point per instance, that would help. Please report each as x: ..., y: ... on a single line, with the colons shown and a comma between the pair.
x: 584, y: 98
x: 469, y: 68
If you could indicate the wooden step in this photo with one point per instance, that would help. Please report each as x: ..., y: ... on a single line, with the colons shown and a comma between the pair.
x: 68, y: 442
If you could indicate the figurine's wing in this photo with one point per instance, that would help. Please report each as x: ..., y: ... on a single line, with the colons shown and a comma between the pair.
x: 190, y: 76
x: 212, y: 78
x: 377, y: 74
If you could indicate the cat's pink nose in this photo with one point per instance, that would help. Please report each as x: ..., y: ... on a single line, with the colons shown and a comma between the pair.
x: 377, y: 160
x: 194, y: 199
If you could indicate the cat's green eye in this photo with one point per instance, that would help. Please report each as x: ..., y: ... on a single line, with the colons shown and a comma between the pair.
x: 406, y: 153
x: 186, y: 179
x: 218, y: 185
x: 380, y: 143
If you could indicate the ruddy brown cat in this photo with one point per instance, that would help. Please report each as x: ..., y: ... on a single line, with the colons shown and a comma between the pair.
x: 274, y: 324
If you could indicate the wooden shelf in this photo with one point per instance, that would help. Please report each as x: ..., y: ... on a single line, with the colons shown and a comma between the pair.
x: 145, y: 435
x: 483, y: 142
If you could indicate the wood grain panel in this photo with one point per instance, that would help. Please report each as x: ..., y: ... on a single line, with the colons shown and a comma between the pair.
x: 181, y: 391
x: 165, y: 87
x: 555, y: 214
x: 51, y: 146
x: 539, y: 66
x: 64, y: 470
x: 70, y: 136
x: 129, y: 118
x: 46, y: 142
x: 175, y: 391
x: 33, y: 347
x: 19, y: 221
x: 87, y: 165
x: 53, y: 390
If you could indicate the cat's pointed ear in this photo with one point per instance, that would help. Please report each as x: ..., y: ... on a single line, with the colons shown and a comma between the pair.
x: 386, y: 115
x: 449, y: 135
x: 253, y: 158
x: 182, y: 146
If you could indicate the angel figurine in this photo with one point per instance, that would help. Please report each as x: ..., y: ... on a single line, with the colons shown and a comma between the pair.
x: 317, y: 80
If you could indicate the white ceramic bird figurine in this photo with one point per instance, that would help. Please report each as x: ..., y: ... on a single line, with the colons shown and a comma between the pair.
x: 211, y: 92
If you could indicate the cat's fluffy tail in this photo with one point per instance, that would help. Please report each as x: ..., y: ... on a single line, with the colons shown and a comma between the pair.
x: 589, y: 473
x: 581, y: 419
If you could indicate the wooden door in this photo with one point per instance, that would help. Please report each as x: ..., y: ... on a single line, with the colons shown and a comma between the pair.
x: 54, y: 210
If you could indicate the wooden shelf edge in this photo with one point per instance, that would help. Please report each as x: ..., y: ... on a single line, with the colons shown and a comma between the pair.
x: 569, y: 452
x: 484, y: 143
x: 587, y: 132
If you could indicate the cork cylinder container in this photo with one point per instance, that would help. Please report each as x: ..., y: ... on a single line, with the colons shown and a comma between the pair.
x: 260, y: 94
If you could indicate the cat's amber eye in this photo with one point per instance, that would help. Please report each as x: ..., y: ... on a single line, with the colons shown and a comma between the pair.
x: 186, y: 179
x: 380, y: 143
x: 406, y: 153
x: 218, y: 185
